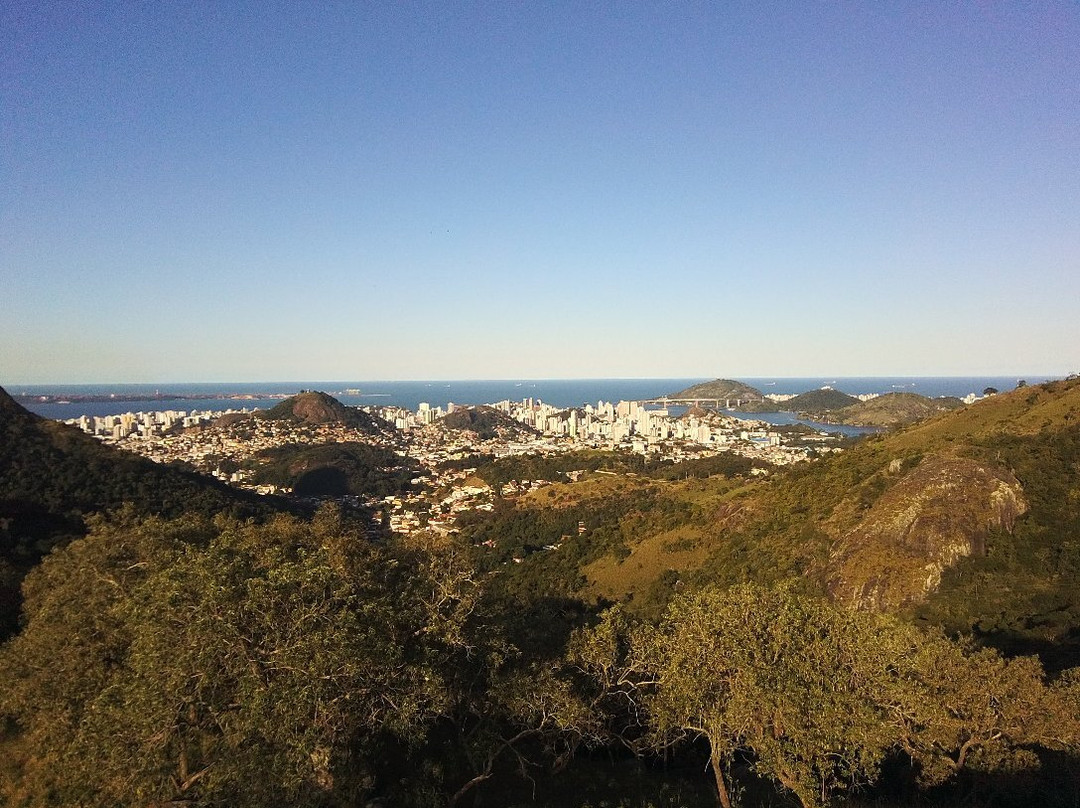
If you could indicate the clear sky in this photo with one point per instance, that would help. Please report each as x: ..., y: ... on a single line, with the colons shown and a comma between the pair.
x: 214, y: 191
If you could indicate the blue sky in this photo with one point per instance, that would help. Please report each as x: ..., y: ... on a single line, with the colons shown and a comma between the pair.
x: 272, y: 191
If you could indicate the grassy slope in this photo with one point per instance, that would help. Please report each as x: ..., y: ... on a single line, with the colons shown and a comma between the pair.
x: 1026, y: 590
x: 1024, y: 412
x: 892, y: 409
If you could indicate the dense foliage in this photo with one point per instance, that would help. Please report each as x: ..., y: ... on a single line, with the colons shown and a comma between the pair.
x: 556, y: 467
x: 1023, y: 596
x: 817, y: 698
x: 222, y: 663
x: 51, y: 475
x: 231, y: 664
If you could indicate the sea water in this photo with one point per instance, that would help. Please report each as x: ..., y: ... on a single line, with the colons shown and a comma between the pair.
x: 409, y: 394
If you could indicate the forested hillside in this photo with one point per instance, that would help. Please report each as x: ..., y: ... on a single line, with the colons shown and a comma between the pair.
x: 52, y: 475
x: 333, y: 469
x: 485, y: 422
x: 889, y: 410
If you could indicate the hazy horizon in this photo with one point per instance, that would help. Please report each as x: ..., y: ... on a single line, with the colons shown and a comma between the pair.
x: 1027, y: 377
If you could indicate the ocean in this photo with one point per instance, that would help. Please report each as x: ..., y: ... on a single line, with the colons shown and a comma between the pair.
x: 409, y: 394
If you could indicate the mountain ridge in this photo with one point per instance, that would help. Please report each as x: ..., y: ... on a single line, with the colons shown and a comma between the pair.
x: 963, y: 520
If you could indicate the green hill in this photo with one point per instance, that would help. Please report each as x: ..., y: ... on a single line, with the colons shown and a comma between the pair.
x: 52, y: 475
x: 721, y: 389
x: 485, y: 422
x: 889, y: 410
x: 822, y: 400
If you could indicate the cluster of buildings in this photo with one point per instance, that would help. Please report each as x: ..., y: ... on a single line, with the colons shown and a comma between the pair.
x: 141, y: 424
x: 455, y: 492
x: 223, y: 447
x: 626, y: 424
x: 406, y: 420
x: 615, y: 424
x: 215, y: 447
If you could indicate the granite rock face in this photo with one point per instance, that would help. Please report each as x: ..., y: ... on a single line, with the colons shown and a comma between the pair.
x: 940, y: 512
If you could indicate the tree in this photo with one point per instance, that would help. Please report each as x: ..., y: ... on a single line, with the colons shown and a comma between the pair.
x: 777, y: 675
x: 970, y: 708
x: 817, y: 696
x: 226, y: 663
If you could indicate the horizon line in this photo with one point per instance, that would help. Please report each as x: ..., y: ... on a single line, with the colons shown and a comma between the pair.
x: 968, y: 375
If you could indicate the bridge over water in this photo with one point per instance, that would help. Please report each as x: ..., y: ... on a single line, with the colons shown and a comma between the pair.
x: 715, y: 403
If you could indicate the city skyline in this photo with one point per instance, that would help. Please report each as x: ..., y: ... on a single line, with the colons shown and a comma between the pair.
x: 242, y: 192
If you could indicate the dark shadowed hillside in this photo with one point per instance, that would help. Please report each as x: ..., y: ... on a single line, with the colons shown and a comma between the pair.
x: 334, y: 469
x: 485, y: 422
x: 51, y: 475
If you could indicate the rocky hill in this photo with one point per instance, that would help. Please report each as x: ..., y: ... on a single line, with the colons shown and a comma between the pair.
x: 322, y: 408
x: 940, y: 512
x: 889, y: 410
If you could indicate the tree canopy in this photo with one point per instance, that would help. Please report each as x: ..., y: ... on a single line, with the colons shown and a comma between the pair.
x: 817, y: 697
x: 214, y: 662
x: 224, y: 662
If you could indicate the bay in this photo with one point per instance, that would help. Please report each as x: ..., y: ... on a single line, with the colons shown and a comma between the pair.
x: 409, y: 394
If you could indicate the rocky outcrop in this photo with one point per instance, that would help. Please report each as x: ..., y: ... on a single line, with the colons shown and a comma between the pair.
x: 310, y: 408
x: 940, y: 512
x: 321, y: 408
